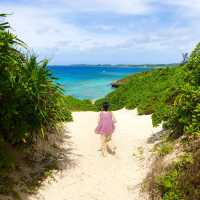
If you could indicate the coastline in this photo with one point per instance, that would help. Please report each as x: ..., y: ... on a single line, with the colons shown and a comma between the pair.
x: 85, y: 82
x: 116, y: 65
x: 49, y: 148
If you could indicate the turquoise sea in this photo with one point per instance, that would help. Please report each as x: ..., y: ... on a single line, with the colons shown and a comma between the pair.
x: 91, y: 82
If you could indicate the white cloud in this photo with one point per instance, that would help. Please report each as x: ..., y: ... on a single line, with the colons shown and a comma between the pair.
x: 193, y: 4
x: 188, y: 8
x: 44, y: 26
x: 135, y: 7
x: 41, y: 29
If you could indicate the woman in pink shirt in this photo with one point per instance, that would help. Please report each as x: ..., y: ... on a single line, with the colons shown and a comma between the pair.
x: 106, y: 127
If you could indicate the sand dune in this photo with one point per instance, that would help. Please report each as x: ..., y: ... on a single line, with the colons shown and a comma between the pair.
x: 98, y: 178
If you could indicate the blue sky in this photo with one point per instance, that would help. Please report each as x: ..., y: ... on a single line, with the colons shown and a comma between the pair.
x: 106, y: 31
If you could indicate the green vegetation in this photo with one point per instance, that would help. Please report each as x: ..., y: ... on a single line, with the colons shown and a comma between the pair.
x: 184, y: 113
x: 163, y: 148
x: 147, y: 91
x: 32, y: 105
x: 172, y: 96
x: 74, y: 104
x: 180, y: 179
x: 31, y: 102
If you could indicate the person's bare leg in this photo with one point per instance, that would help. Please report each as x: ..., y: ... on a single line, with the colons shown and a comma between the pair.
x: 103, y: 145
x: 110, y: 144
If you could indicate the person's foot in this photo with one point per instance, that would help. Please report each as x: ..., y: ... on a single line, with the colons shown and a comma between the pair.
x: 104, y: 154
x: 114, y: 150
x: 111, y: 150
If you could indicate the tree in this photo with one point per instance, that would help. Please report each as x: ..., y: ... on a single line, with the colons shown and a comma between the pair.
x: 184, y: 58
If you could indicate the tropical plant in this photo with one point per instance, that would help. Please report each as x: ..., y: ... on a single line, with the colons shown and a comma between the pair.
x: 31, y: 101
x: 183, y: 115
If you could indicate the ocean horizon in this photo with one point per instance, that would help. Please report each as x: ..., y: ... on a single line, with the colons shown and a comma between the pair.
x: 91, y: 81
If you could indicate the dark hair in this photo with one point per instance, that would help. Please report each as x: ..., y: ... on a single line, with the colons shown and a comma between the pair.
x: 105, y: 106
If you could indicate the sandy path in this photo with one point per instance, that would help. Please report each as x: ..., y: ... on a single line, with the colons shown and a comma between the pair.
x: 98, y: 178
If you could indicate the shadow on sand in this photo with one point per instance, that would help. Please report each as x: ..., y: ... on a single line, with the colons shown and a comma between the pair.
x: 34, y: 164
x: 156, y: 137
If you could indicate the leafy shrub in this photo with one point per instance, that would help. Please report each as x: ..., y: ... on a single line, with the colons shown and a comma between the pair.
x: 167, y: 185
x: 32, y: 106
x: 183, y: 115
x: 180, y: 180
x: 164, y: 148
x: 74, y: 104
x: 180, y: 111
x: 147, y: 91
x: 31, y: 102
x: 172, y: 95
x: 177, y: 183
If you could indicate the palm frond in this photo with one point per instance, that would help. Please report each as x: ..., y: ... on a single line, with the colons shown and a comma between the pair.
x: 4, y: 25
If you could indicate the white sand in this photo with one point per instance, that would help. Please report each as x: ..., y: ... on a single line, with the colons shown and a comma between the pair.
x: 98, y: 178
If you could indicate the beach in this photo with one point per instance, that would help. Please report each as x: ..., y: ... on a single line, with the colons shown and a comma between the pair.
x: 94, y: 177
x: 138, y: 59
